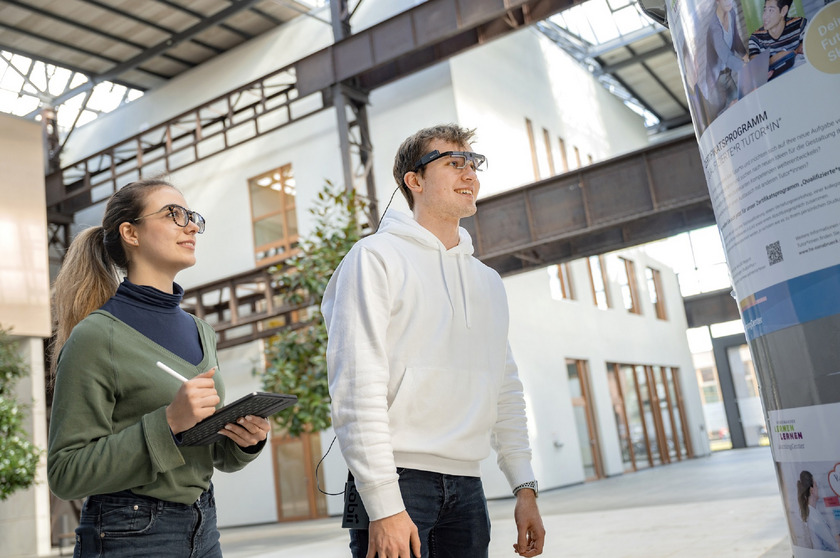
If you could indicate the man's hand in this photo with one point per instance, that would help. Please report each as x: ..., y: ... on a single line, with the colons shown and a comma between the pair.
x: 394, y: 536
x: 529, y: 524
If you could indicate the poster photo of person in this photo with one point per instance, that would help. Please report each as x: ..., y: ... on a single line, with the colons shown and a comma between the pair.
x: 736, y: 46
x: 812, y: 505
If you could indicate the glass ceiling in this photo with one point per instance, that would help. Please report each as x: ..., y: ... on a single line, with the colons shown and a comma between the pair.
x: 601, y: 22
x: 594, y: 27
x: 26, y: 85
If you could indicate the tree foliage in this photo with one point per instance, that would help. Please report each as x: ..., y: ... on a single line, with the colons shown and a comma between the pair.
x: 18, y: 456
x: 296, y: 357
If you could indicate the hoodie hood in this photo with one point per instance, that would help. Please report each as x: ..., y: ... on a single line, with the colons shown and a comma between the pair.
x: 402, y: 225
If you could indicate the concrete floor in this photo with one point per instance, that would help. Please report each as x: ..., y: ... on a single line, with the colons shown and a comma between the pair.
x: 726, y: 505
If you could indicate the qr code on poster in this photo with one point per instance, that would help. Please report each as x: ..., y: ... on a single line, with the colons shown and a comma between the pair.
x: 774, y: 253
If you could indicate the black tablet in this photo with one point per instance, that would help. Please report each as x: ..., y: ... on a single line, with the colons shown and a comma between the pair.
x: 257, y: 403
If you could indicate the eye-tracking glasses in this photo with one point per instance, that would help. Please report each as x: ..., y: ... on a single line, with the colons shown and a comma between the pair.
x: 458, y: 159
x: 180, y: 215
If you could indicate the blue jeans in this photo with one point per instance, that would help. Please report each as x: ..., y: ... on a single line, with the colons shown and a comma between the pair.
x: 450, y: 513
x: 127, y: 525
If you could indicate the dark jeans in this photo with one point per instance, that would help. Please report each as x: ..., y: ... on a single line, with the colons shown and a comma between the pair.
x: 450, y: 513
x: 126, y: 525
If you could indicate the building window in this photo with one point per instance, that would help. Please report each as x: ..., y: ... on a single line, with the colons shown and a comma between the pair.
x: 597, y: 276
x: 547, y: 140
x: 273, y: 214
x: 564, y: 159
x: 626, y: 277
x: 654, y: 285
x: 707, y: 379
x: 561, y: 282
x: 533, y: 143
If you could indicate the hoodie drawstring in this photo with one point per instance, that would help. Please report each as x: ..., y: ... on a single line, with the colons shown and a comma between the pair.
x: 445, y: 282
x: 464, y: 289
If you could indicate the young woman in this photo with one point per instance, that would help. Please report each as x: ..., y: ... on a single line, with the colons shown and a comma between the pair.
x: 116, y: 417
x: 822, y: 537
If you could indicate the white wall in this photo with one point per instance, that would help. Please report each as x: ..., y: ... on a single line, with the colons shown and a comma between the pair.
x: 24, y: 270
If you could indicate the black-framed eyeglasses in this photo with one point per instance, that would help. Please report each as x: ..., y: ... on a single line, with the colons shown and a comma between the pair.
x: 180, y: 215
x: 458, y: 159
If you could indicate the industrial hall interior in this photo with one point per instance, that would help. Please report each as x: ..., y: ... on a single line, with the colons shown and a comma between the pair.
x: 593, y: 208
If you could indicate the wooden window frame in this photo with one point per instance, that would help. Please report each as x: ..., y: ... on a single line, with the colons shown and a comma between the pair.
x: 656, y: 280
x: 564, y: 275
x: 532, y: 141
x: 604, y: 281
x: 548, y: 154
x: 564, y: 158
x: 632, y: 285
x: 287, y: 245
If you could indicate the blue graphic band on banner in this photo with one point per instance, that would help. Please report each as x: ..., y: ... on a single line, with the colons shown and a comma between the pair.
x: 797, y: 301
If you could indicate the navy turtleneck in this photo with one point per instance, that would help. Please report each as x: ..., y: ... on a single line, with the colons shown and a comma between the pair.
x: 158, y: 316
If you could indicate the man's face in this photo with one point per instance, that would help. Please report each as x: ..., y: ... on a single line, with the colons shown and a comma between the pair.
x: 447, y: 192
x: 772, y: 15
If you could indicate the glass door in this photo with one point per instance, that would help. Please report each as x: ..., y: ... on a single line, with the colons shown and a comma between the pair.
x: 649, y: 414
x: 620, y: 413
x: 649, y: 426
x: 584, y: 419
x: 294, y: 477
x: 747, y: 395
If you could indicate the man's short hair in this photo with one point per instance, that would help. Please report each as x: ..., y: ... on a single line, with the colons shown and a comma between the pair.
x: 417, y: 145
x: 782, y: 4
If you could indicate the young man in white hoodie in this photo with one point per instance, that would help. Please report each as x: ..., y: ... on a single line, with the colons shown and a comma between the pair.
x: 422, y: 379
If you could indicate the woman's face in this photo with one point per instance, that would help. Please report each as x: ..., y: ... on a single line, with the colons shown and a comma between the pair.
x: 159, y: 241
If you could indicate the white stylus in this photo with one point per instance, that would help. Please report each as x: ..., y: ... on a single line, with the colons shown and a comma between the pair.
x: 169, y: 371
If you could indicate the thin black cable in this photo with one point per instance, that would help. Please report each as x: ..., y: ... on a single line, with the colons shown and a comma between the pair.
x: 317, y: 481
x: 394, y: 193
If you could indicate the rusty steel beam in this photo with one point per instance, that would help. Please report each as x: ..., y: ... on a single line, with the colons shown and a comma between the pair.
x: 639, y: 197
x: 430, y: 32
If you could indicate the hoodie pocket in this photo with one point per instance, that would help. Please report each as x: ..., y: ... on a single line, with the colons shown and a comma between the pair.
x: 443, y: 411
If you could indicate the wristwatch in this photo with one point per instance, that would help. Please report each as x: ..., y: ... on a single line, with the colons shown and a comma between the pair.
x: 530, y: 484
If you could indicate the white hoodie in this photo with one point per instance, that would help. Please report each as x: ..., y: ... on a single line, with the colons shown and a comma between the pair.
x: 421, y: 374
